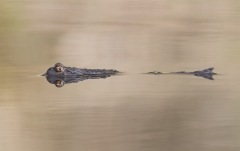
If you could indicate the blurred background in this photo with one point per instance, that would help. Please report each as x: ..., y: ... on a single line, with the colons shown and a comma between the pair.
x: 132, y: 111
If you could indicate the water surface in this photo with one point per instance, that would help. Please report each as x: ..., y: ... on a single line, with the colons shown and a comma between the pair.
x: 131, y: 111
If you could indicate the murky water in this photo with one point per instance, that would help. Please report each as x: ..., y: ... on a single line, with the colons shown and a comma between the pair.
x: 131, y: 111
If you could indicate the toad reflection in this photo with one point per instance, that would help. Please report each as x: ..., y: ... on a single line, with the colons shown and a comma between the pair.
x: 61, y: 81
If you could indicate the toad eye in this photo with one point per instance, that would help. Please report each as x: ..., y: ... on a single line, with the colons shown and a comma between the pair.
x: 59, y: 69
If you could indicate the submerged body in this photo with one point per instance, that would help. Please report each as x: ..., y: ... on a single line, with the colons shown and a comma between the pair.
x: 60, y: 70
x: 206, y: 73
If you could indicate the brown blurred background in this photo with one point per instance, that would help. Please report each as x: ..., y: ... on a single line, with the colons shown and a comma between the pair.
x: 131, y: 111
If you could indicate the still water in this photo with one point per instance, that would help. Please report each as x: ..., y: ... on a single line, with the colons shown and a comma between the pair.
x: 131, y: 111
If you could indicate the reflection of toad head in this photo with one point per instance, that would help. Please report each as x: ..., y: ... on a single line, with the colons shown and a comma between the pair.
x: 59, y: 83
x: 58, y: 67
